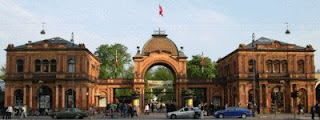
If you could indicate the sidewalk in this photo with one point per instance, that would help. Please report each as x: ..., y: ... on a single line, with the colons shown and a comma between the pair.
x: 286, y: 116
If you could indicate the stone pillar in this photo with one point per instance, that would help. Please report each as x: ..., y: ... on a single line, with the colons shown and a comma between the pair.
x: 30, y: 96
x: 89, y: 98
x: 268, y: 102
x: 84, y: 97
x: 242, y: 95
x: 112, y: 95
x: 77, y: 97
x: 261, y: 106
x: 57, y: 98
x: 7, y: 96
x: 24, y: 95
x: 63, y: 97
x: 12, y: 96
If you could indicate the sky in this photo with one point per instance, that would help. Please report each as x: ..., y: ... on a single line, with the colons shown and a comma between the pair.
x: 214, y: 27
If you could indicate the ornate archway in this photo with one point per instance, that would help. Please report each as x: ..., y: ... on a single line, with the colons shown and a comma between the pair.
x: 159, y: 50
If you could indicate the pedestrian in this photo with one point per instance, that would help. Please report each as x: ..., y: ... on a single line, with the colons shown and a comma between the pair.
x: 24, y: 111
x: 161, y: 107
x: 130, y: 110
x: 152, y: 107
x: 226, y: 106
x: 313, y: 110
x: 300, y: 109
x: 4, y: 113
x: 146, y: 109
x: 9, y: 112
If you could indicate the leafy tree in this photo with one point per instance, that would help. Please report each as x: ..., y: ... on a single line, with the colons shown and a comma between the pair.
x: 123, y: 92
x: 129, y: 72
x: 159, y: 73
x: 2, y: 72
x: 106, y: 54
x: 194, y: 68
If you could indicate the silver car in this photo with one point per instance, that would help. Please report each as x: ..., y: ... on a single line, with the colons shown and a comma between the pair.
x: 186, y: 112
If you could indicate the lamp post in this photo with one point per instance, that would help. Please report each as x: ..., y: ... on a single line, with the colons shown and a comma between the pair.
x: 254, y: 77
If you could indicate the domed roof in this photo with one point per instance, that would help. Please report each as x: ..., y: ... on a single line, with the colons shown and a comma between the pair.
x: 160, y: 42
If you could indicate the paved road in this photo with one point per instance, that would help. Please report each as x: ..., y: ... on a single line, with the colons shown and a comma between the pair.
x: 162, y: 116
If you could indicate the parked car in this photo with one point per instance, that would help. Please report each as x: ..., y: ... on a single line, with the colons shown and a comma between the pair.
x: 186, y: 112
x: 233, y: 112
x: 69, y: 113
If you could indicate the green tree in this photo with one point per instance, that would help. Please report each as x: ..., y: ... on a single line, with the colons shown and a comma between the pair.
x: 159, y: 73
x: 129, y: 72
x: 123, y: 92
x: 2, y: 72
x: 194, y: 68
x: 107, y: 56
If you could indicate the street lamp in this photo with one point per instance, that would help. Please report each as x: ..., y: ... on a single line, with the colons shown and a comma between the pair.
x: 253, y: 76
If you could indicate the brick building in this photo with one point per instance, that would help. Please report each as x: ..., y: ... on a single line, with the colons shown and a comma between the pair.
x: 280, y: 68
x: 55, y: 74
x: 41, y: 75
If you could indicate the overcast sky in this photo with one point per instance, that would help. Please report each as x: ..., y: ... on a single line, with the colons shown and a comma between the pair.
x: 215, y: 27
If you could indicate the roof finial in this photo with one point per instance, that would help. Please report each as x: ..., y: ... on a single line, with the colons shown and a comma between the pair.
x: 72, y: 37
x: 42, y: 32
x: 287, y: 31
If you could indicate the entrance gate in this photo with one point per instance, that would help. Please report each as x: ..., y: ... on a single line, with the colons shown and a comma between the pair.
x: 159, y: 50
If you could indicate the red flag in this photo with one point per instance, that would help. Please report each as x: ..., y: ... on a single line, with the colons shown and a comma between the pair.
x: 161, y: 10
x: 203, y: 61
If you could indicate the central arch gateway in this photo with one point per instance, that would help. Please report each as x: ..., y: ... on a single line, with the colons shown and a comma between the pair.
x: 160, y: 50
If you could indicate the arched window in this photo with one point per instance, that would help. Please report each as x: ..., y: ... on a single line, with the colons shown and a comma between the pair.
x: 71, y: 66
x: 45, y: 65
x: 20, y: 66
x: 284, y: 65
x: 300, y: 66
x: 53, y: 66
x: 269, y: 66
x: 37, y: 66
x: 251, y: 65
x: 276, y: 66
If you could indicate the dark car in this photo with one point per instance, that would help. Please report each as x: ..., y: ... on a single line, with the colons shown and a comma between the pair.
x: 69, y: 113
x: 233, y: 112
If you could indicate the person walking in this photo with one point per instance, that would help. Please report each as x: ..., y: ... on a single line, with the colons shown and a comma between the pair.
x: 9, y: 112
x: 313, y: 110
x: 146, y: 109
x: 152, y: 107
x: 24, y: 111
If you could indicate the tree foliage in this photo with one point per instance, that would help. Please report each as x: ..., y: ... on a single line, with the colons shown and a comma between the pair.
x: 159, y: 73
x: 2, y: 72
x: 129, y: 72
x: 107, y: 56
x: 194, y: 68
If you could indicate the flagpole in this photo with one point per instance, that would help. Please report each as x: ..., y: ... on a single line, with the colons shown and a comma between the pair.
x: 202, y: 62
x: 116, y: 64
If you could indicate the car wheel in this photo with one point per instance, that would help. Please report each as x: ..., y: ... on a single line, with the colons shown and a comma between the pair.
x: 77, y: 117
x: 196, y: 116
x: 173, y: 116
x: 55, y: 117
x: 220, y: 115
x: 243, y: 116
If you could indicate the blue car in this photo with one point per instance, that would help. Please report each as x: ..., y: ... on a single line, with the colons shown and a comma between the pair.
x: 233, y: 112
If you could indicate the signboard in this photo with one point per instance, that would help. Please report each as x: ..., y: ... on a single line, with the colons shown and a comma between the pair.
x: 160, y: 83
